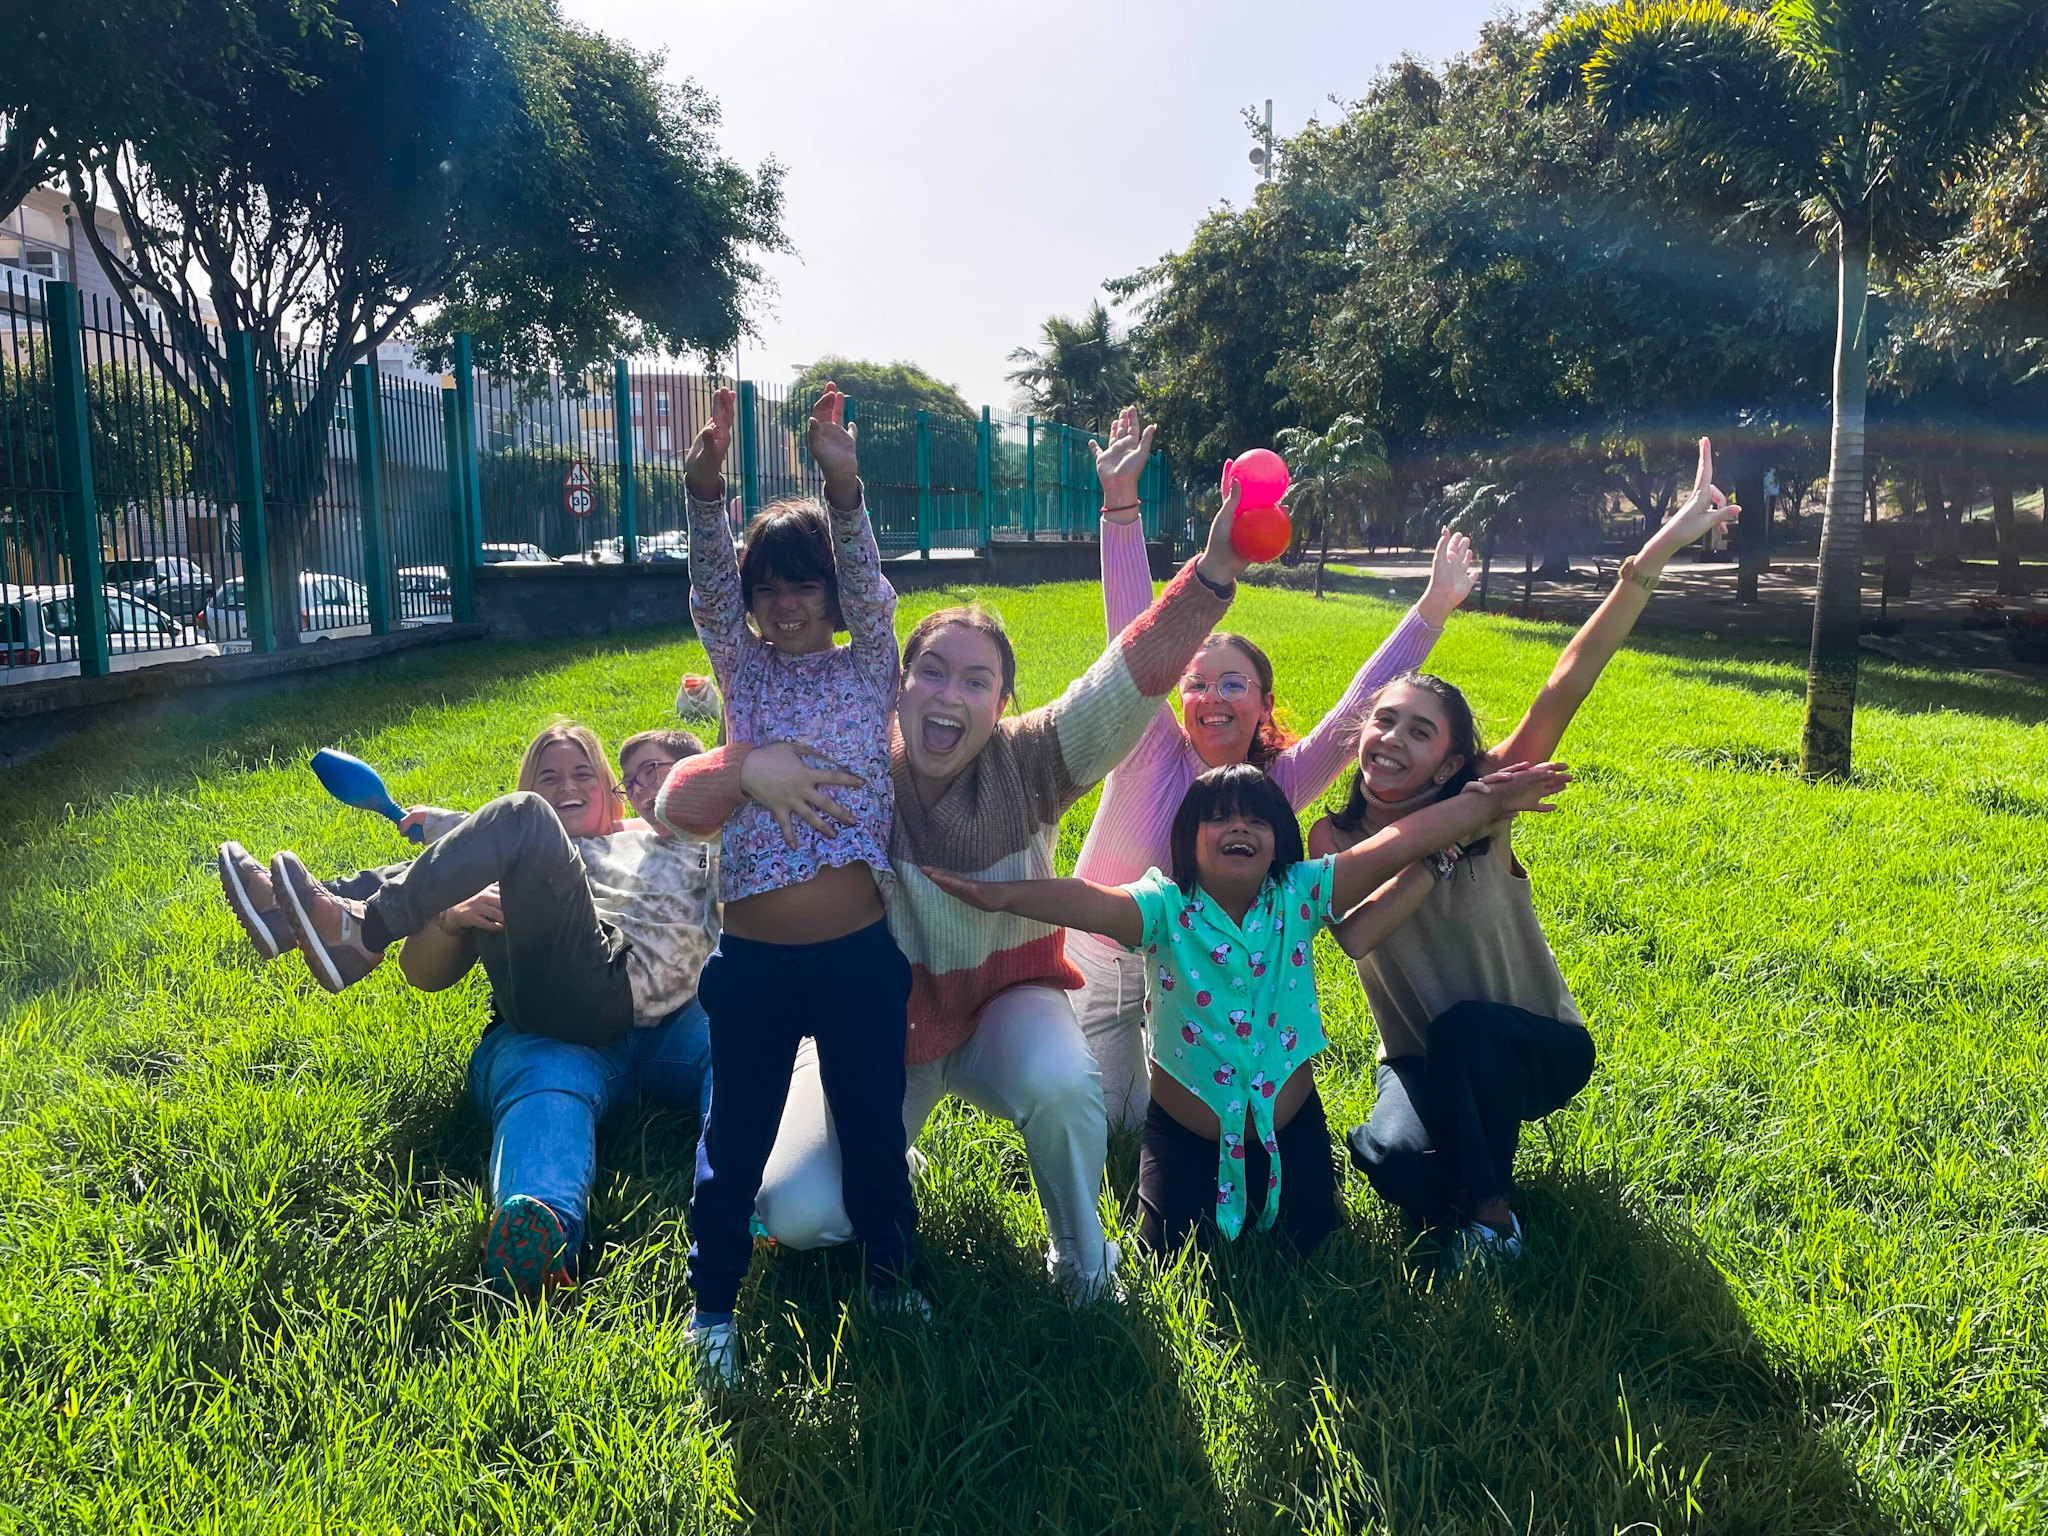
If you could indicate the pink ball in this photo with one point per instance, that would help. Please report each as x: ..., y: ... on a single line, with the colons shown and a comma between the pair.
x: 1262, y: 476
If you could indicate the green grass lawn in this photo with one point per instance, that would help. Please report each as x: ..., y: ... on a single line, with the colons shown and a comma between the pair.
x: 1788, y: 1255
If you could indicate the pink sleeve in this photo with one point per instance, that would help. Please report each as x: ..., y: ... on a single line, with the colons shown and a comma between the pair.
x: 1308, y: 767
x: 1126, y: 576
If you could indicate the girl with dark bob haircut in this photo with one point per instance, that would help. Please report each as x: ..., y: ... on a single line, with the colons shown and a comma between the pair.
x: 1239, y: 789
x: 791, y: 541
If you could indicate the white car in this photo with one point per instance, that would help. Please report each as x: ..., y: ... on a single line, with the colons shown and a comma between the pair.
x: 329, y: 608
x: 514, y: 554
x: 39, y: 630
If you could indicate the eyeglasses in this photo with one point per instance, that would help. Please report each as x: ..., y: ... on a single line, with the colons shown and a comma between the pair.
x: 1230, y: 687
x: 654, y: 766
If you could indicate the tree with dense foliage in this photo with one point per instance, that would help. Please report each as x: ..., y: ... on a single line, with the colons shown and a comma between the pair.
x: 898, y: 383
x: 1864, y: 113
x: 445, y: 163
x: 1079, y: 375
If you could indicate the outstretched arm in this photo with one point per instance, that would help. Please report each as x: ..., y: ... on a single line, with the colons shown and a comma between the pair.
x: 866, y: 600
x: 1364, y: 867
x: 1579, y: 668
x: 1386, y: 909
x: 717, y: 609
x: 1126, y: 577
x: 1082, y: 904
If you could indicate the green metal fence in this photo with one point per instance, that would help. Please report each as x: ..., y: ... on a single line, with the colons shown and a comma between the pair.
x: 156, y: 505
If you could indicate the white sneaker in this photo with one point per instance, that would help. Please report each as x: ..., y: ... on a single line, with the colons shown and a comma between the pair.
x: 1477, y: 1244
x: 1084, y: 1289
x: 717, y: 1348
x: 905, y: 1301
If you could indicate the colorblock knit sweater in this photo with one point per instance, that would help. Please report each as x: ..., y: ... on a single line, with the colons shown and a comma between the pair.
x: 999, y: 820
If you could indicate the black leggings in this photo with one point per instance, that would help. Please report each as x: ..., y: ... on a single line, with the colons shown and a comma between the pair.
x: 1177, y: 1181
x: 1443, y: 1132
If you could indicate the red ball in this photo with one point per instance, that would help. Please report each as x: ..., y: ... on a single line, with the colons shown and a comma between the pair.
x: 1261, y: 474
x: 1260, y: 533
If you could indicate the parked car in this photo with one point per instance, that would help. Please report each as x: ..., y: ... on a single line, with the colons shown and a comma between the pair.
x: 423, y: 591
x: 180, y: 587
x: 39, y: 633
x: 516, y: 554
x: 655, y: 548
x: 329, y: 607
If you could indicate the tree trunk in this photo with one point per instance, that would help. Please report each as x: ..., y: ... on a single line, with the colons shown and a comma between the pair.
x: 1323, y: 555
x: 1486, y: 563
x: 2012, y: 580
x: 1944, y: 512
x: 1752, y: 527
x: 1826, y: 746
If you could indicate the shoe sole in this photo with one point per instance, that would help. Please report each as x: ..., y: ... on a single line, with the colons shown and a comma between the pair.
x: 242, y: 904
x: 318, y: 961
x: 526, y: 1249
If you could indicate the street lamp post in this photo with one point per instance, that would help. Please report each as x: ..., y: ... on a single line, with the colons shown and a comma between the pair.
x: 1262, y: 154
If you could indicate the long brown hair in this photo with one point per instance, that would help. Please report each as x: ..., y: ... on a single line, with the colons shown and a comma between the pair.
x: 584, y: 738
x: 1271, y: 738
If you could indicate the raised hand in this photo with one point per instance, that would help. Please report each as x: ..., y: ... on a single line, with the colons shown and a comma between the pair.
x: 1521, y: 786
x: 982, y: 895
x: 704, y: 465
x: 1119, y: 466
x: 1221, y: 562
x: 1452, y: 575
x: 1705, y: 509
x: 833, y: 448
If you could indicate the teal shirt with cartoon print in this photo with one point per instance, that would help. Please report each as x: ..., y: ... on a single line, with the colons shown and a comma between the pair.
x: 1232, y: 1009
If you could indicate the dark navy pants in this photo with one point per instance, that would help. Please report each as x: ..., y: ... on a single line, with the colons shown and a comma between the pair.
x: 1444, y: 1130
x: 850, y: 995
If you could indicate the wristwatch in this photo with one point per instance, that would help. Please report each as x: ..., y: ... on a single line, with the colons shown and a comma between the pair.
x: 1629, y: 573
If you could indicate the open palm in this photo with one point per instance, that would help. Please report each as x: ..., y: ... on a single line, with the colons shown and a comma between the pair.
x: 831, y: 441
x: 1120, y: 465
x: 704, y: 465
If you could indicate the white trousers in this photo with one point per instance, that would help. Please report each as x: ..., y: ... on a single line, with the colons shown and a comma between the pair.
x: 1111, y: 1011
x: 1025, y: 1063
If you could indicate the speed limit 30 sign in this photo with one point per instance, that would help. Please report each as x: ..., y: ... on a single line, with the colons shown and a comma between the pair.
x: 577, y: 495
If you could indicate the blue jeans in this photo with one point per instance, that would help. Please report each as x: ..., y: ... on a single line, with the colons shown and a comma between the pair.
x: 546, y: 1097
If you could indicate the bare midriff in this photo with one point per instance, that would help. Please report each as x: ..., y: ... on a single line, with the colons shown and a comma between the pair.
x: 834, y: 902
x: 1180, y: 1102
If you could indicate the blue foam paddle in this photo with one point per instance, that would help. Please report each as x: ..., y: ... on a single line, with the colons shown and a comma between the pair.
x: 354, y: 782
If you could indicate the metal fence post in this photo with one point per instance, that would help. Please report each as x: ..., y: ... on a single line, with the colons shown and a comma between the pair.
x: 985, y: 476
x: 468, y: 468
x: 378, y: 576
x: 461, y: 602
x: 629, y: 515
x: 1030, y: 477
x: 74, y: 479
x: 924, y: 484
x: 750, y: 486
x: 245, y: 410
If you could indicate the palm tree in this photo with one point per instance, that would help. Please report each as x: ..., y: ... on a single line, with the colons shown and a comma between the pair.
x: 1081, y: 375
x: 1860, y: 113
x: 1334, y: 476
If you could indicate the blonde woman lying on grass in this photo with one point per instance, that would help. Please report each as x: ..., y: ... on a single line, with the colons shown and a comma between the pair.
x: 592, y: 930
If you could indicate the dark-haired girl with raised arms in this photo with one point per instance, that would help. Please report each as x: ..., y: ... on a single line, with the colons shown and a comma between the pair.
x: 1478, y: 1030
x: 1227, y: 701
x: 1235, y: 1129
x: 982, y: 794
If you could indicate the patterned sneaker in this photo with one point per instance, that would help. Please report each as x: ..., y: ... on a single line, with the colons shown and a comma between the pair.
x: 328, y: 928
x: 528, y: 1252
x: 246, y: 884
x: 716, y: 1346
x: 1479, y: 1246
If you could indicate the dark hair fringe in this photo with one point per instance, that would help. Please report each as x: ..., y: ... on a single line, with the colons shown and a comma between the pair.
x: 791, y: 541
x: 983, y: 621
x: 1236, y: 789
x: 1465, y: 740
x: 683, y: 743
x: 1271, y: 738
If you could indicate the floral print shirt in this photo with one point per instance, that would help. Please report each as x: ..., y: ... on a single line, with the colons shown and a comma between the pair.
x: 1232, y: 1010
x: 840, y: 701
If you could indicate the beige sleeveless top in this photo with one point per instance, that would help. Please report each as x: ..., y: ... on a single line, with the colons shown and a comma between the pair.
x: 1474, y: 938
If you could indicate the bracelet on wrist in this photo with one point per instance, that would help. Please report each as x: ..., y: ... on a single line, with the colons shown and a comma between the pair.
x: 1221, y: 589
x: 1129, y: 506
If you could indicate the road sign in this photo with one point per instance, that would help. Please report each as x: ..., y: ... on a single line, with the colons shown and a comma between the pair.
x: 576, y: 493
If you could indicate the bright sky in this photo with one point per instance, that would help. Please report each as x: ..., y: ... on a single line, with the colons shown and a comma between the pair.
x: 958, y: 171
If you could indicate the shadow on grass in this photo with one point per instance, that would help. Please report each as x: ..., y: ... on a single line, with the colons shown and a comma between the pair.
x: 126, y: 755
x: 1608, y: 1381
